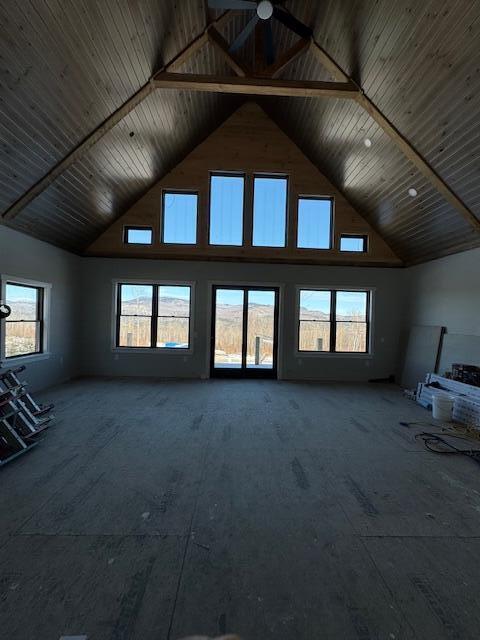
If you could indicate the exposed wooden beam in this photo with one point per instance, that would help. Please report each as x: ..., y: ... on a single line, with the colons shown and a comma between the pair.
x: 398, y: 139
x: 417, y: 159
x: 221, y: 45
x: 255, y: 86
x: 89, y: 141
x: 273, y: 70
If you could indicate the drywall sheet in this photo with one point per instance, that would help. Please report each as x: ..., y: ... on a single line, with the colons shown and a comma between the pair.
x: 459, y: 349
x: 422, y: 354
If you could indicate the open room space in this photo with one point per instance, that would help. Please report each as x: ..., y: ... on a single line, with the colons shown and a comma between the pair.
x: 239, y: 320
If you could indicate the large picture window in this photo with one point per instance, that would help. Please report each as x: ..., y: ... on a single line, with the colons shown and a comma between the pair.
x: 153, y: 316
x: 269, y: 211
x: 333, y: 321
x: 226, y: 209
x: 24, y: 327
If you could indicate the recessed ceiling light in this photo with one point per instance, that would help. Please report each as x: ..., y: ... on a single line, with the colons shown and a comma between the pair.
x: 264, y: 10
x: 367, y: 142
x: 413, y: 193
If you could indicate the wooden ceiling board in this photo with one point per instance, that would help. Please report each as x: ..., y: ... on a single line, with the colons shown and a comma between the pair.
x: 66, y: 65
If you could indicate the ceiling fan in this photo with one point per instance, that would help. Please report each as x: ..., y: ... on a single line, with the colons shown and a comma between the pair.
x: 265, y: 10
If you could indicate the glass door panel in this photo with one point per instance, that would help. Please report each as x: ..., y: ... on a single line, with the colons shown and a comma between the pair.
x: 229, y: 322
x: 244, y: 340
x: 260, y: 329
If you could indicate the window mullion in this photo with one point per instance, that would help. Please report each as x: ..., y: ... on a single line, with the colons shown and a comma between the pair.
x: 154, y: 320
x: 333, y: 321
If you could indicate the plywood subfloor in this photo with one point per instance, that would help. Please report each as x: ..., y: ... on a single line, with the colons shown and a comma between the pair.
x: 275, y: 510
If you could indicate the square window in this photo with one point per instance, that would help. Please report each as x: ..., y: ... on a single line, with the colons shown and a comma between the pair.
x: 269, y: 211
x: 138, y: 235
x: 314, y: 223
x: 226, y: 210
x: 354, y: 244
x: 180, y: 217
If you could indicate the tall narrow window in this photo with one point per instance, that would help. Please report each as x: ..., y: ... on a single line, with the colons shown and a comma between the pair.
x: 179, y: 217
x: 173, y: 326
x: 351, y: 320
x: 269, y: 211
x: 335, y: 321
x: 135, y: 315
x: 153, y: 316
x: 314, y: 223
x: 24, y: 326
x: 314, y: 320
x: 226, y: 209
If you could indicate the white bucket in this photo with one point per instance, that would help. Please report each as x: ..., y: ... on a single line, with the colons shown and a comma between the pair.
x: 442, y: 406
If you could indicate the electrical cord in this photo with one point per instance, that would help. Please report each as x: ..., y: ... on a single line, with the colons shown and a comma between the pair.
x: 434, y: 442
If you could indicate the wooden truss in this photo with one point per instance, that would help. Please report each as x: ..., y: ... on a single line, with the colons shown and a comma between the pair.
x: 264, y: 83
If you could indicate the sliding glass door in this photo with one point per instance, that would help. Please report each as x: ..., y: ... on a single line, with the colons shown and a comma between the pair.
x: 244, y: 332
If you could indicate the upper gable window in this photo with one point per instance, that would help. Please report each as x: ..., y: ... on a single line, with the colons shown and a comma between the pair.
x: 355, y: 244
x: 180, y: 209
x: 226, y: 209
x: 269, y: 211
x: 314, y: 223
x: 138, y: 235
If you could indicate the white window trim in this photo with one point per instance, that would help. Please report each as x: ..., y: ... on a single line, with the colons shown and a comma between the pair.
x: 45, y: 354
x: 152, y: 350
x: 331, y: 354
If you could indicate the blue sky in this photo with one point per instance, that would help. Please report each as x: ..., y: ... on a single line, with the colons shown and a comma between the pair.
x: 235, y: 297
x: 314, y: 220
x: 226, y: 210
x: 180, y: 218
x: 15, y: 293
x: 269, y: 212
x: 348, y: 302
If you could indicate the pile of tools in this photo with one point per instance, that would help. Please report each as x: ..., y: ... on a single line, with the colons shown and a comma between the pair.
x: 22, y: 419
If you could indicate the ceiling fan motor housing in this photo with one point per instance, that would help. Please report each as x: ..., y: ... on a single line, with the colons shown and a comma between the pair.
x: 265, y: 10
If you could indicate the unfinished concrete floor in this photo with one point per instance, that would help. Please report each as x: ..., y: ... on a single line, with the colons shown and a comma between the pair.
x: 156, y: 510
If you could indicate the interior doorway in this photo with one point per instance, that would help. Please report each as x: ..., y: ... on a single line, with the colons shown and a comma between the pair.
x: 244, y: 332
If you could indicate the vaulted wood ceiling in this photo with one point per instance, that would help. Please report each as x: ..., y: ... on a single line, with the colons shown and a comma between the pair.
x: 66, y: 65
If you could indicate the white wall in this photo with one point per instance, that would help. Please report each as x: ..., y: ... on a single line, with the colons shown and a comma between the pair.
x: 446, y: 292
x: 24, y: 257
x: 97, y: 356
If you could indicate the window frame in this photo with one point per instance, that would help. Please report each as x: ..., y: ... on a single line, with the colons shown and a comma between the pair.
x: 333, y: 322
x: 128, y: 228
x: 156, y: 284
x: 43, y: 313
x: 182, y: 192
x: 356, y: 236
x: 332, y: 219
x: 273, y: 176
x: 226, y: 174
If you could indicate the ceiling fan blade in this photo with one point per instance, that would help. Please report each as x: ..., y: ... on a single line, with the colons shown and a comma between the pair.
x: 232, y: 4
x: 292, y: 23
x: 268, y: 42
x: 243, y: 35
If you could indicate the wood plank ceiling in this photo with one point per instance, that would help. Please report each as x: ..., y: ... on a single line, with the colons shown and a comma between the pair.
x: 66, y: 65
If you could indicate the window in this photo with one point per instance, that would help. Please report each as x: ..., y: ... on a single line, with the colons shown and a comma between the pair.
x: 180, y: 217
x: 24, y: 327
x: 314, y: 223
x: 138, y: 235
x: 333, y: 321
x: 269, y: 211
x: 153, y: 316
x: 356, y: 244
x: 226, y: 209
